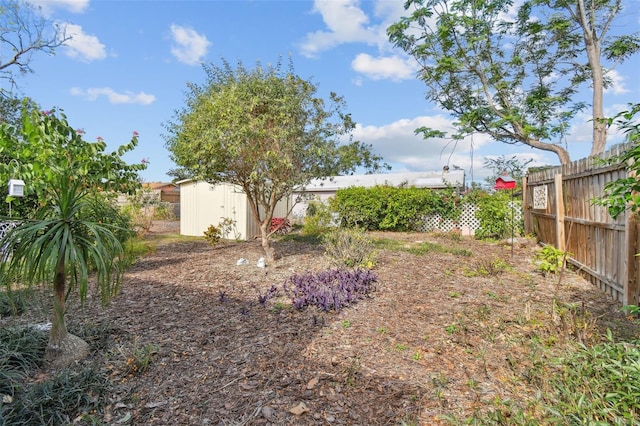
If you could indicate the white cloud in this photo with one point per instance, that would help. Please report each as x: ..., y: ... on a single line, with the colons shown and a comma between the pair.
x: 346, y: 22
x: 81, y: 46
x: 92, y: 94
x: 189, y: 47
x: 73, y: 6
x: 398, y: 144
x: 390, y: 67
x: 617, y: 86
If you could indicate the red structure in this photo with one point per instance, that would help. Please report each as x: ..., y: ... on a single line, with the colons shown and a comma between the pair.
x: 505, y: 182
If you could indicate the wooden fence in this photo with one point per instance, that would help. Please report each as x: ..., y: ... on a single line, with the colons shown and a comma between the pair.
x: 559, y: 209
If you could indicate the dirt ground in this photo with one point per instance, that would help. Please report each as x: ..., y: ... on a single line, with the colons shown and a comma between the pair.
x: 437, y: 338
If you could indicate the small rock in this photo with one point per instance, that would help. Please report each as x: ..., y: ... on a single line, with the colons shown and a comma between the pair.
x: 242, y: 261
x: 267, y: 412
x: 261, y: 263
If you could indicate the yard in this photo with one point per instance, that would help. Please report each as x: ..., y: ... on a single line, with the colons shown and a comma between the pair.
x: 456, y: 327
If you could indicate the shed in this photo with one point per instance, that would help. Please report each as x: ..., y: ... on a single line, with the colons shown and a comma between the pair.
x: 203, y: 204
x: 323, y: 189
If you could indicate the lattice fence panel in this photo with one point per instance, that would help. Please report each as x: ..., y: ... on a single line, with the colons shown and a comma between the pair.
x: 4, y: 228
x: 467, y: 219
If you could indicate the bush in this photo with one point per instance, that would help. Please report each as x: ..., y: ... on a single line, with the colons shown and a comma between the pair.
x: 330, y: 290
x: 280, y: 225
x: 213, y: 235
x: 497, y: 219
x: 349, y: 247
x: 318, y: 219
x: 549, y: 260
x: 393, y: 209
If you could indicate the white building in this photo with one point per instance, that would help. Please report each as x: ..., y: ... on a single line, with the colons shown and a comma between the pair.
x: 203, y: 204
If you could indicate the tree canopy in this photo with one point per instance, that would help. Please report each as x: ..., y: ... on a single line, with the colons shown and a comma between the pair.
x: 512, y: 72
x: 266, y: 130
x: 34, y: 152
x: 24, y: 30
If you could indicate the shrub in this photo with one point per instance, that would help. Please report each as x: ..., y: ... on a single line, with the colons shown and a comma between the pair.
x: 496, y: 216
x: 349, y: 247
x: 549, y: 260
x: 213, y: 235
x: 280, y: 225
x: 330, y: 290
x: 318, y: 219
x: 393, y: 209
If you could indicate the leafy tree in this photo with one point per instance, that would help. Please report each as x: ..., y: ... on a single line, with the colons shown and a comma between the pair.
x: 32, y: 152
x: 583, y: 27
x: 505, y: 71
x: 624, y: 193
x: 502, y: 165
x: 24, y: 30
x: 68, y: 230
x: 266, y: 131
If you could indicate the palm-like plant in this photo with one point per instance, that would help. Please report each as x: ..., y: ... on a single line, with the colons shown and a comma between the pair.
x: 64, y: 246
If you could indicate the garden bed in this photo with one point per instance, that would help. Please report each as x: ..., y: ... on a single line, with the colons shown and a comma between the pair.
x: 454, y: 328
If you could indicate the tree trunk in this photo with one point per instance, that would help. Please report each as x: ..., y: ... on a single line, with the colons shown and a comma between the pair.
x: 594, y: 52
x: 63, y: 348
x: 269, y: 251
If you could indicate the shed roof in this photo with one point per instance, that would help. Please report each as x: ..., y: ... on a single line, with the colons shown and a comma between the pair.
x: 435, y: 180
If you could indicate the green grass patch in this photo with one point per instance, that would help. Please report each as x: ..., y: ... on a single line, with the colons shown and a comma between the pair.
x: 419, y: 249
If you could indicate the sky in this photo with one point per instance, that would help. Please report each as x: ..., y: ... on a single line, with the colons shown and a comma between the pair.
x: 127, y: 66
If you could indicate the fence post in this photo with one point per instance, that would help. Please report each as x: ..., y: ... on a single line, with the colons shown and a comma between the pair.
x: 560, y: 239
x: 526, y: 208
x: 631, y: 290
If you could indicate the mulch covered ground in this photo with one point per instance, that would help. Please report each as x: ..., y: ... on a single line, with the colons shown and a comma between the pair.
x: 437, y: 338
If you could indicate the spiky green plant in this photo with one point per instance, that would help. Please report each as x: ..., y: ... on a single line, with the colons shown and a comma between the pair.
x: 62, y: 246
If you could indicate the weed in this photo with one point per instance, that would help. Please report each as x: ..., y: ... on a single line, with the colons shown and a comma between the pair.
x: 549, y: 260
x: 350, y: 248
x: 381, y: 330
x: 631, y: 310
x: 420, y: 249
x: 139, y: 357
x: 487, y: 268
x: 454, y: 294
x: 417, y: 356
x: 213, y: 235
x: 401, y: 347
x: 452, y: 328
x: 345, y: 324
x: 281, y: 306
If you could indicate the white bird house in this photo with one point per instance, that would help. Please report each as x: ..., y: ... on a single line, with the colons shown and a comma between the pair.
x: 16, y: 187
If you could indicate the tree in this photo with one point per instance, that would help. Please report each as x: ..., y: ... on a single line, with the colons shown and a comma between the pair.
x: 507, y: 73
x: 266, y: 131
x: 502, y: 165
x: 61, y: 246
x: 44, y: 139
x: 623, y: 194
x: 72, y: 230
x: 586, y: 27
x: 24, y: 30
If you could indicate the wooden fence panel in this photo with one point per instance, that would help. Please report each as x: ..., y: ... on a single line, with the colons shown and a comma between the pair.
x: 601, y: 248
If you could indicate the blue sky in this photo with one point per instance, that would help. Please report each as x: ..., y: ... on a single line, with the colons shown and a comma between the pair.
x: 127, y: 65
